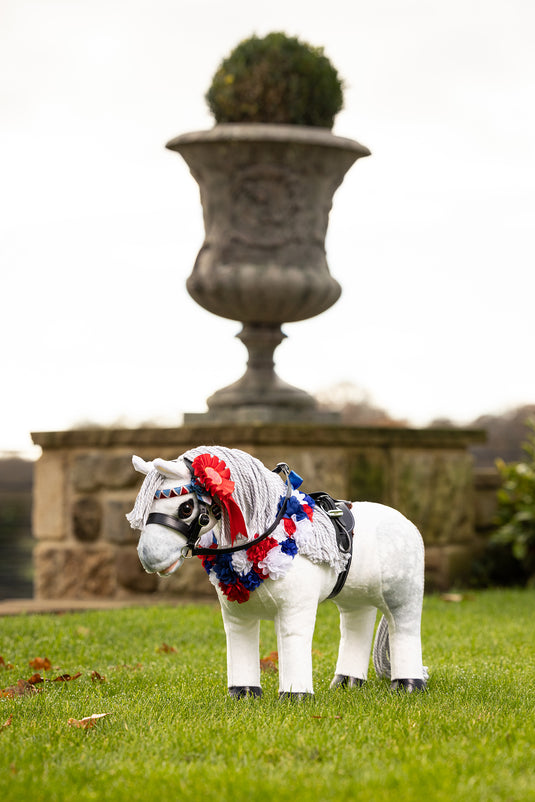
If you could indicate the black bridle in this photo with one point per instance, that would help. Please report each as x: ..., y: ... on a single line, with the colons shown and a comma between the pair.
x: 192, y: 529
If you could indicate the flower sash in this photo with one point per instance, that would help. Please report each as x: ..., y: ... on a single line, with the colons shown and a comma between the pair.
x: 240, y: 573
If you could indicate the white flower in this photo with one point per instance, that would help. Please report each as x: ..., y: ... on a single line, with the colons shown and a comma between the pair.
x: 303, y: 532
x: 280, y: 533
x: 240, y: 562
x: 263, y: 566
x: 212, y: 576
x: 276, y: 563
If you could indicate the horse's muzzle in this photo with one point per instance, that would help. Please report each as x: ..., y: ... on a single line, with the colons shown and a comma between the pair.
x: 160, y: 550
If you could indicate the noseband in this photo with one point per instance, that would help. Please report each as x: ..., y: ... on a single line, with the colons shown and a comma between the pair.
x: 192, y: 529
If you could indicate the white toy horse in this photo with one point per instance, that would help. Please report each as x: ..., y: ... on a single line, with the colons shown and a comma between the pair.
x: 273, y: 552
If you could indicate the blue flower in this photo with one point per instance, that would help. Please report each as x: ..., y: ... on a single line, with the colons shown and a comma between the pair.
x: 310, y: 501
x: 251, y: 580
x: 224, y: 570
x: 289, y: 546
x: 295, y: 507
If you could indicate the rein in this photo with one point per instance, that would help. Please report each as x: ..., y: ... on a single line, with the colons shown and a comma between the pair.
x: 191, y: 530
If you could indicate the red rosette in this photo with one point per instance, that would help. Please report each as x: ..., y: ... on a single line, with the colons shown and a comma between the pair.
x: 212, y: 474
x: 258, y: 551
x: 235, y: 591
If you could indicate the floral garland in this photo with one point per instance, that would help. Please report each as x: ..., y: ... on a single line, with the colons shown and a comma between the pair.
x: 241, y: 572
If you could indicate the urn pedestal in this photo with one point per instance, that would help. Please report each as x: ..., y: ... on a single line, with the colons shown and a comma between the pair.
x: 266, y: 193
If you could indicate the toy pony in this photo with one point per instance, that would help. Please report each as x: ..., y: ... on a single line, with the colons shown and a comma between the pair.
x: 274, y: 552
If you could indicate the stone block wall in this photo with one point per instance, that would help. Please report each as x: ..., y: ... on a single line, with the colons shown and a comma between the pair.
x: 85, y: 485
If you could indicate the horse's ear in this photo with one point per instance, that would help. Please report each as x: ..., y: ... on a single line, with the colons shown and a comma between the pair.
x: 140, y: 465
x: 172, y: 469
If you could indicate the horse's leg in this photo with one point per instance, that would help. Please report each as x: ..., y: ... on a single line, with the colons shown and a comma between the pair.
x: 243, y: 660
x: 295, y: 629
x: 407, y: 671
x: 401, y: 559
x: 356, y: 635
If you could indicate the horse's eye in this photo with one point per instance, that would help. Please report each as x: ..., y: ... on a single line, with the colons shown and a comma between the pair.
x: 185, y: 509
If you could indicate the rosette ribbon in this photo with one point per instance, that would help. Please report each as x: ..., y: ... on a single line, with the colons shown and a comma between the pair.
x: 213, y: 476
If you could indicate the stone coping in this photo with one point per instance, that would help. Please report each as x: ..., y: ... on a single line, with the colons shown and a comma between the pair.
x: 9, y: 607
x: 238, y: 435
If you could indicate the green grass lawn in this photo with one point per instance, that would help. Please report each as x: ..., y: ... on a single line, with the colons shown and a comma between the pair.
x: 171, y: 732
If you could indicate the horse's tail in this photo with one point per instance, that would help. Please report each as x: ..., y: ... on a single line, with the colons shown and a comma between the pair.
x: 381, y: 650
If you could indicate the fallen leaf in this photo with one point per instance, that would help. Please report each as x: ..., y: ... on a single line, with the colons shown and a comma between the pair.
x: 67, y: 677
x: 5, y: 665
x: 35, y: 679
x: 270, y: 663
x: 166, y: 649
x: 339, y: 717
x: 22, y: 688
x: 87, y: 722
x: 41, y: 664
x: 96, y: 677
x: 7, y: 723
x: 453, y: 597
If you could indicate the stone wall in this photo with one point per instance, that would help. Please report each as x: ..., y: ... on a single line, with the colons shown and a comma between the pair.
x: 85, y: 485
x: 486, y: 483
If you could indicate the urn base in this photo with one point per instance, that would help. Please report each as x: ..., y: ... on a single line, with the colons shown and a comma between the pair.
x: 261, y: 396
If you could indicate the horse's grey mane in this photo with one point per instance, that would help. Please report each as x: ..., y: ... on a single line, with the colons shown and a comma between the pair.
x: 137, y: 517
x: 257, y: 492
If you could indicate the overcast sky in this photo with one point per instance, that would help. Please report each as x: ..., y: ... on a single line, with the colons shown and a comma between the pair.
x: 432, y: 237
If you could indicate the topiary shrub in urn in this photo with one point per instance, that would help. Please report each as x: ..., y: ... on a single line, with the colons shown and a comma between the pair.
x: 267, y: 172
x: 277, y: 79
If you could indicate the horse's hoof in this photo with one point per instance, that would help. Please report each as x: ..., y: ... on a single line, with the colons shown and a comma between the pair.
x: 240, y: 691
x: 343, y: 681
x: 296, y: 696
x: 408, y: 685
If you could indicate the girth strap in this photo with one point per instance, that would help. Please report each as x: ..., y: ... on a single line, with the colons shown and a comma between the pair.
x: 344, y: 523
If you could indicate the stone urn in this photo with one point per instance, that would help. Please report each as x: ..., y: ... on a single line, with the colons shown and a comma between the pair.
x: 266, y: 192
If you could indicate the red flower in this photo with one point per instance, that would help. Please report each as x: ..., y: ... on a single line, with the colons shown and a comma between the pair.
x: 289, y: 526
x: 207, y: 562
x: 214, y: 475
x: 235, y: 592
x: 308, y: 510
x: 258, y: 551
